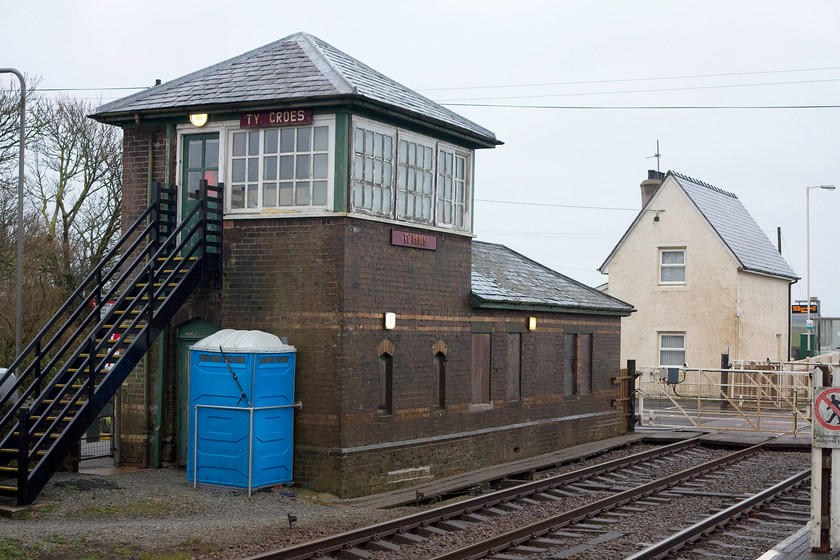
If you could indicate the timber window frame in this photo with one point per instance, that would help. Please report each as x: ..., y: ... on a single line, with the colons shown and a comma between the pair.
x: 421, y: 180
x: 280, y: 169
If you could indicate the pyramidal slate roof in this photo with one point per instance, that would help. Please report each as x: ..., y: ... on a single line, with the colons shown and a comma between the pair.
x: 732, y: 223
x: 502, y: 277
x: 298, y: 68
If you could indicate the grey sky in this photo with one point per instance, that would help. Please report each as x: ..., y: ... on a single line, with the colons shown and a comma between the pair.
x: 761, y: 53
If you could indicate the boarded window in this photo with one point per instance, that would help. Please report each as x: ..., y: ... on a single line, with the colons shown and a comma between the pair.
x: 386, y: 383
x: 585, y: 363
x: 570, y: 362
x: 440, y: 381
x: 480, y: 383
x: 514, y: 370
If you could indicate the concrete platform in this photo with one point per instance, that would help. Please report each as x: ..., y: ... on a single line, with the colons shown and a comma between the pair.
x: 797, y: 547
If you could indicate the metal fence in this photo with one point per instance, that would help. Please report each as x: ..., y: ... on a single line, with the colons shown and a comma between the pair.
x: 750, y: 396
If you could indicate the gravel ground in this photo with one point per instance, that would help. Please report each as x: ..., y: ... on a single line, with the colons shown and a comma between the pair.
x: 142, y: 514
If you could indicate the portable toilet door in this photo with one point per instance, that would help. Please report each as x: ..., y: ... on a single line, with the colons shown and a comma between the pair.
x: 241, y: 417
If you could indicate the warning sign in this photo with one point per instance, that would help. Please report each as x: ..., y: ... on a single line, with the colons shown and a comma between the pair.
x: 826, y: 413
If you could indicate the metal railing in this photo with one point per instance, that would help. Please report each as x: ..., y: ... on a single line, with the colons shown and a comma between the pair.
x: 752, y: 396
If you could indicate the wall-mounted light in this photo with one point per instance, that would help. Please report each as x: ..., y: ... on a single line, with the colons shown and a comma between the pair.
x: 390, y: 321
x: 532, y: 323
x: 198, y: 119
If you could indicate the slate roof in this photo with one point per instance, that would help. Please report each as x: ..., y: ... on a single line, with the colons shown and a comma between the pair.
x: 732, y: 223
x: 298, y: 68
x: 502, y: 277
x: 736, y: 228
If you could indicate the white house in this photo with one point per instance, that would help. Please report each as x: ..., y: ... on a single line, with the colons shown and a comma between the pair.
x: 703, y: 276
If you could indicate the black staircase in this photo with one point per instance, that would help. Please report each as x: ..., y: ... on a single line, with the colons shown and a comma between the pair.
x: 75, y: 365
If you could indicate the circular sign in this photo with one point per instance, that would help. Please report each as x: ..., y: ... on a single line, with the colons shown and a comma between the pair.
x: 827, y: 408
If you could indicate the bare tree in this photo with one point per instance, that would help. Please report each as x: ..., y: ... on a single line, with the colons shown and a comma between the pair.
x: 75, y: 185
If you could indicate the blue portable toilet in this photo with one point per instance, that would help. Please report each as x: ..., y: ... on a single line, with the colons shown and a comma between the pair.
x: 242, y: 386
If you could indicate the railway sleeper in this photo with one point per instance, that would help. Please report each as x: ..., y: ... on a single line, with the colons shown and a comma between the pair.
x: 383, y: 546
x: 354, y: 553
x: 408, y: 538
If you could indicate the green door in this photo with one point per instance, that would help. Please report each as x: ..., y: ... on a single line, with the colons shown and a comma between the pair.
x: 200, y: 161
x: 187, y: 335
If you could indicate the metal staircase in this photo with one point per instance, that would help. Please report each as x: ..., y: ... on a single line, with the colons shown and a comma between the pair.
x: 78, y: 361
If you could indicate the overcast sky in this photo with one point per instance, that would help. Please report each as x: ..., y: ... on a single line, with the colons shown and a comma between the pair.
x: 577, y: 169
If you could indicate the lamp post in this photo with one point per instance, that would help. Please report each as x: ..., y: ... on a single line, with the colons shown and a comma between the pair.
x: 809, y: 325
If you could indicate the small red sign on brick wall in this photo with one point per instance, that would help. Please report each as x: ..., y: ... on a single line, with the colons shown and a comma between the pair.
x: 416, y: 240
x: 280, y: 117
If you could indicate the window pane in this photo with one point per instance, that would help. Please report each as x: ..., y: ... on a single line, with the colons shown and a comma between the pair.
x: 320, y: 166
x: 286, y: 192
x: 386, y: 174
x: 271, y: 141
x: 359, y: 141
x: 377, y: 199
x: 673, y: 274
x: 287, y: 140
x: 237, y: 196
x: 270, y: 194
x: 403, y: 151
x: 253, y: 169
x: 302, y: 169
x: 253, y: 196
x: 388, y: 148
x: 239, y: 144
x: 672, y: 357
x: 304, y: 139
x: 238, y: 172
x: 270, y: 168
x: 253, y: 143
x: 321, y: 139
x: 673, y: 341
x: 319, y: 193
x: 302, y: 197
x: 368, y: 143
x: 358, y: 167
x: 673, y: 257
x: 377, y: 145
x: 211, y: 153
x: 287, y: 167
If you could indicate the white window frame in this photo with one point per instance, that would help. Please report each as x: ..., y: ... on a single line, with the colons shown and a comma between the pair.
x: 228, y: 134
x: 430, y: 144
x: 358, y: 206
x: 662, y: 348
x: 462, y: 202
x: 672, y: 266
x: 437, y: 146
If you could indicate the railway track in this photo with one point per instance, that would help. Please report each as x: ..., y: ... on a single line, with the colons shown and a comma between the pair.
x: 592, y: 500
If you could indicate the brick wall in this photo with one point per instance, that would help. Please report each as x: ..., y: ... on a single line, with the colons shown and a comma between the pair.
x: 325, y: 283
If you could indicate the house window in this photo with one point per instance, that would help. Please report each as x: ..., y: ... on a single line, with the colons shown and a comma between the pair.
x: 406, y: 176
x: 373, y: 156
x: 280, y: 168
x: 671, y: 349
x: 672, y: 266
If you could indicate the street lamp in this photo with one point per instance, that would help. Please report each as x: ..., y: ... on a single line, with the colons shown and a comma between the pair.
x: 809, y: 325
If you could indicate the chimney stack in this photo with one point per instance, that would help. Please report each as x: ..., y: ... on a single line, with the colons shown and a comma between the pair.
x: 650, y: 185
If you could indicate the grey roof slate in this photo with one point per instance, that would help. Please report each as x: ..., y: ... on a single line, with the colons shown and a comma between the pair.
x: 736, y: 228
x: 732, y: 223
x: 298, y: 67
x: 503, y: 277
